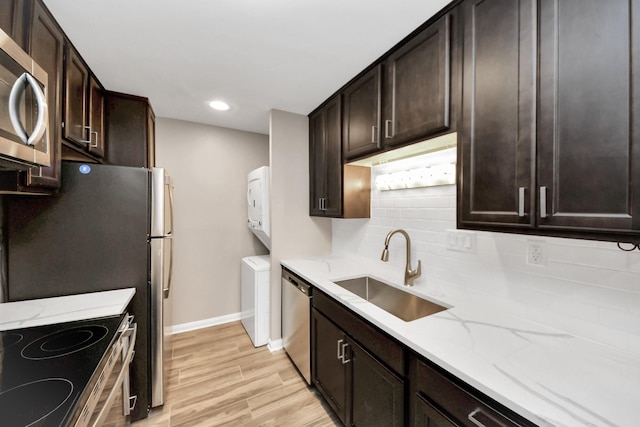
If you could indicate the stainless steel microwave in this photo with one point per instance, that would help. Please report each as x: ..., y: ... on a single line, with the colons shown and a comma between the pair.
x: 24, y: 117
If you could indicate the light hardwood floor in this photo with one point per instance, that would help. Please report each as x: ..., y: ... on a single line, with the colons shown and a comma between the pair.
x: 217, y: 378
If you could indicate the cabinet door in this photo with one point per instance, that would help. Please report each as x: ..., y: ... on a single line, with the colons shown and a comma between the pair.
x: 12, y: 20
x: 377, y: 395
x: 428, y: 416
x: 76, y: 82
x: 130, y: 130
x: 316, y: 162
x: 329, y: 373
x: 361, y: 115
x: 333, y: 159
x: 417, y: 101
x: 96, y: 118
x: 325, y: 161
x: 496, y: 148
x: 589, y: 115
x: 46, y: 46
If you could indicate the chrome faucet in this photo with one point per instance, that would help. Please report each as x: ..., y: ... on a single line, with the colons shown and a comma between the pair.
x: 409, y: 274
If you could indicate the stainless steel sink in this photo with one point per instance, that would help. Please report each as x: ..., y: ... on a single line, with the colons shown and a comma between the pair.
x: 401, y: 304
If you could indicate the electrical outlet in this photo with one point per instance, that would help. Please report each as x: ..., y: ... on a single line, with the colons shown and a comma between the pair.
x: 536, y: 254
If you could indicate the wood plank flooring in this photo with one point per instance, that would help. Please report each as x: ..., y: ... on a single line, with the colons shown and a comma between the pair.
x: 217, y: 378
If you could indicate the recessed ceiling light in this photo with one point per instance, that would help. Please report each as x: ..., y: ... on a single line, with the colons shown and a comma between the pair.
x: 219, y: 105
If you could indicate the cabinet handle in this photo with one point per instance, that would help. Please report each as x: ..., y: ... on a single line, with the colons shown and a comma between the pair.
x: 344, y: 359
x: 473, y: 419
x: 521, y: 201
x: 87, y: 141
x: 374, y: 131
x: 543, y: 202
x: 388, y: 129
x: 91, y: 144
x: 340, y: 354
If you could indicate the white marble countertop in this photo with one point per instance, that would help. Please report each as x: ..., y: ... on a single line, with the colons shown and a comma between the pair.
x: 47, y: 311
x: 547, y: 376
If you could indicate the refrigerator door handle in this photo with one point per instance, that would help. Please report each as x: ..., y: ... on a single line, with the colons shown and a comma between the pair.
x: 167, y: 290
x: 168, y: 182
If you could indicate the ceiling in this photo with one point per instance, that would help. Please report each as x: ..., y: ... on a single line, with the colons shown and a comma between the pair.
x: 257, y: 55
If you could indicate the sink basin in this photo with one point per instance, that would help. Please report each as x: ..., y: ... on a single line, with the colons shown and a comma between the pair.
x: 401, y: 304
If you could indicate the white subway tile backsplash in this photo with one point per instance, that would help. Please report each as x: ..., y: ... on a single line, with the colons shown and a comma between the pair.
x: 419, y: 202
x: 633, y: 304
x: 633, y: 261
x: 385, y: 202
x: 379, y: 212
x: 559, y: 252
x: 394, y: 213
x: 599, y: 257
x: 587, y: 288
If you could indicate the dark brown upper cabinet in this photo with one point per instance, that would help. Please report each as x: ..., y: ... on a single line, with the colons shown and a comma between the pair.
x: 497, y: 133
x: 406, y: 97
x: 12, y: 20
x: 417, y: 89
x: 129, y: 130
x: 334, y: 190
x: 96, y: 145
x: 551, y: 112
x: 361, y: 115
x: 83, y: 128
x: 76, y: 105
x: 325, y: 160
x: 589, y: 116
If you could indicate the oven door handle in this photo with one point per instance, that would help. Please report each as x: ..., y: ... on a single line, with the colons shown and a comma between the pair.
x: 132, y: 331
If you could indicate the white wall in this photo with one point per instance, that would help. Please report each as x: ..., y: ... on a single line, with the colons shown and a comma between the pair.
x: 209, y: 166
x: 588, y: 288
x: 294, y: 233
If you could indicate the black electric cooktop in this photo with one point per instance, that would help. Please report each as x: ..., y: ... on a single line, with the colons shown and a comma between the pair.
x: 45, y: 370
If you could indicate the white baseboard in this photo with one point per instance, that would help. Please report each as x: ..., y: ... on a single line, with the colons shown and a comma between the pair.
x: 200, y: 324
x: 274, y: 345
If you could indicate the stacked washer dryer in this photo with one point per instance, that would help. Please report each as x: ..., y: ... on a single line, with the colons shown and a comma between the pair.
x: 256, y: 270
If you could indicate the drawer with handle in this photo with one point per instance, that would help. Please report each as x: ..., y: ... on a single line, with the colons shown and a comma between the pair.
x: 444, y: 401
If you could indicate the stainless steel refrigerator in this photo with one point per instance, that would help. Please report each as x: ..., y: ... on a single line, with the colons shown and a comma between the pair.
x: 109, y: 227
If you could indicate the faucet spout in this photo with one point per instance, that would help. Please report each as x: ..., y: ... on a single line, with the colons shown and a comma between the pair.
x: 409, y: 274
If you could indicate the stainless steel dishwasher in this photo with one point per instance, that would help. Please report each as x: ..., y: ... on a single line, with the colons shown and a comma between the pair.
x: 296, y: 315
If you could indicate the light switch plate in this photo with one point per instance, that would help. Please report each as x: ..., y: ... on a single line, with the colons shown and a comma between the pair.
x: 461, y: 241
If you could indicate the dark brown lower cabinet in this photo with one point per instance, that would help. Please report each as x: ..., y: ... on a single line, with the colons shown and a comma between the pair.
x: 369, y: 379
x: 377, y: 394
x: 360, y: 389
x: 441, y: 400
x: 426, y: 415
x: 329, y: 373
